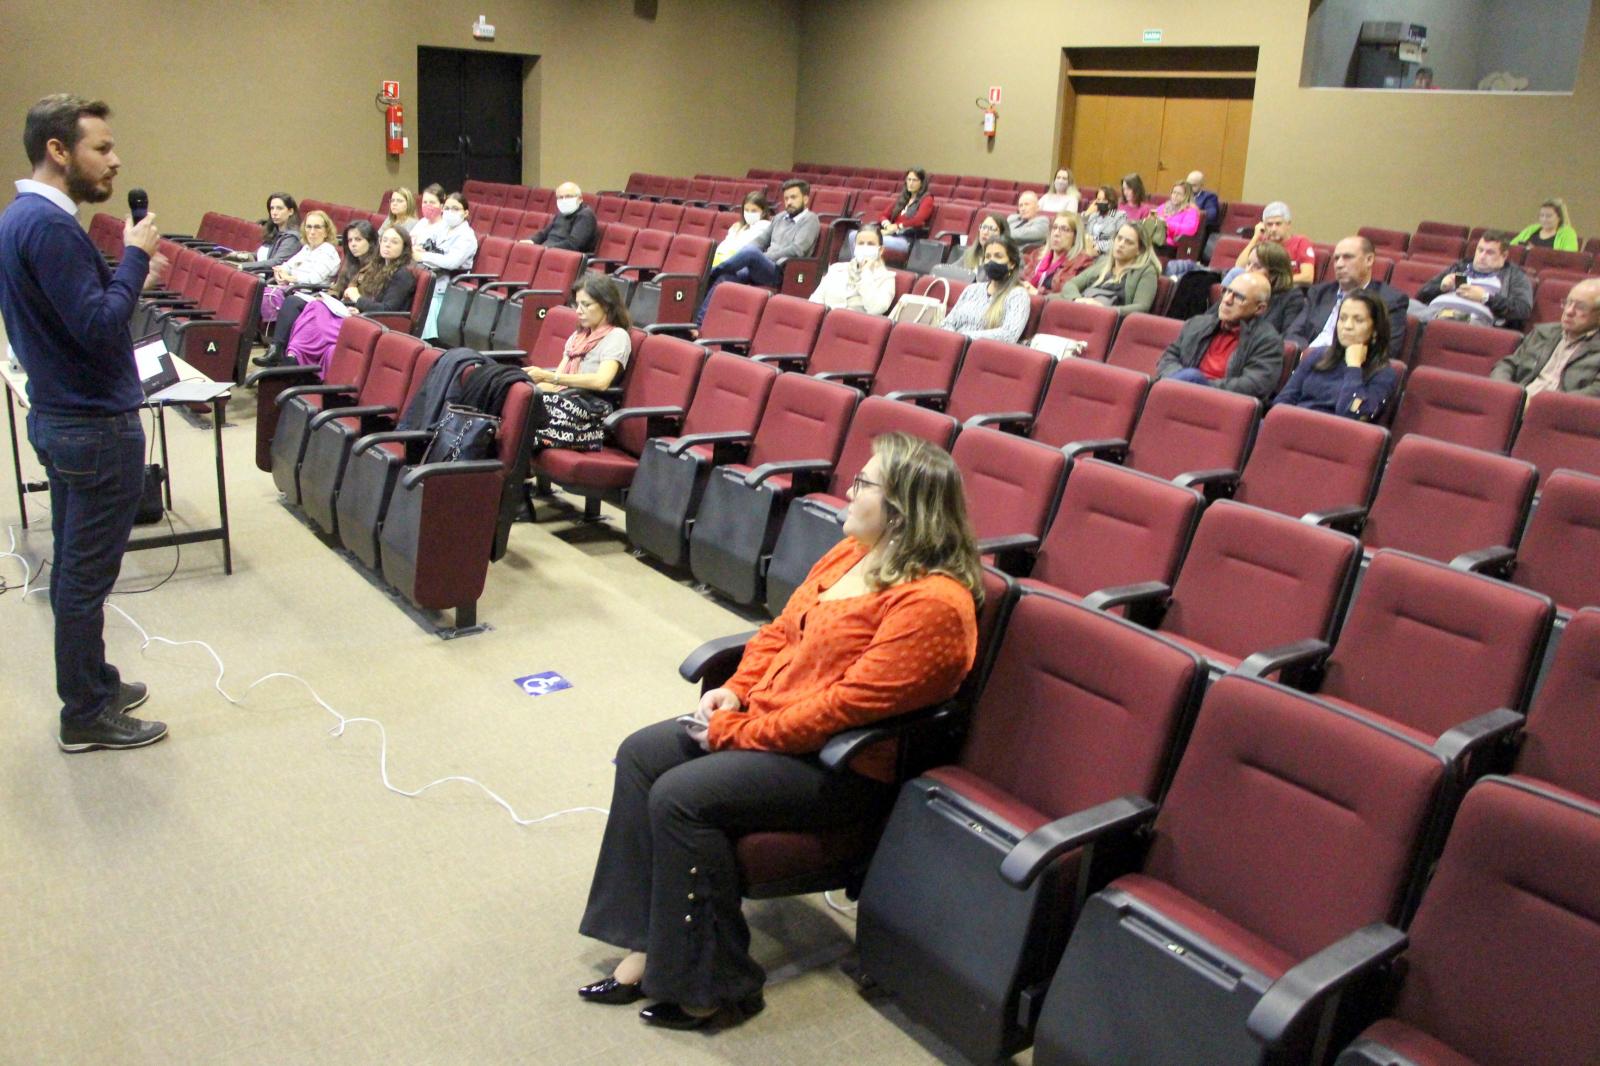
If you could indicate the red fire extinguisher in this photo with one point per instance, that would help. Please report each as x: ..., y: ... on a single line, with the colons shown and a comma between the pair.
x: 395, y: 128
x: 991, y: 118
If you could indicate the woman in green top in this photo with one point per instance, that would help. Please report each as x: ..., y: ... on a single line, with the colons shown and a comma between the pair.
x: 1124, y: 278
x: 1553, y: 230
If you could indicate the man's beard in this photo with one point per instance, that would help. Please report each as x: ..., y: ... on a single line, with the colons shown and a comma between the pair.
x: 82, y: 189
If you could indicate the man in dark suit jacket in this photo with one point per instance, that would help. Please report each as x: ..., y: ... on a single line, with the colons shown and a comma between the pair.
x: 1352, y: 269
x: 573, y: 226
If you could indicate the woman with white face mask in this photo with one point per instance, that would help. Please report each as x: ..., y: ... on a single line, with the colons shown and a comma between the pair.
x: 1062, y: 195
x: 863, y: 282
x: 448, y: 249
x: 755, y: 219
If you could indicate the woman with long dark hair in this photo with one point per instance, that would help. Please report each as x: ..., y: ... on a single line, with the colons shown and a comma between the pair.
x: 885, y: 623
x: 908, y: 217
x: 383, y: 282
x: 360, y: 244
x: 1352, y: 377
x: 280, y: 236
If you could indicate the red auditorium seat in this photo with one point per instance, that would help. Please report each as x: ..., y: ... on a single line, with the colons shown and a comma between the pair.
x: 1089, y: 405
x: 721, y: 420
x: 1558, y: 549
x: 1087, y: 322
x: 1290, y: 830
x: 1444, y: 501
x: 793, y: 452
x: 1012, y: 486
x: 1078, y: 710
x: 1140, y: 340
x: 1560, y: 429
x: 1460, y: 408
x: 1463, y: 347
x: 347, y: 367
x: 1115, y: 527
x: 1559, y: 744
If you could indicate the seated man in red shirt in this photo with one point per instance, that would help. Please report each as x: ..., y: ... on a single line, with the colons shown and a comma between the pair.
x: 1231, y: 346
x: 1274, y: 226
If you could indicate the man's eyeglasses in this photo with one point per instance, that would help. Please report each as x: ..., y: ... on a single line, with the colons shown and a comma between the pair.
x: 315, y: 225
x: 1234, y: 294
x: 858, y: 483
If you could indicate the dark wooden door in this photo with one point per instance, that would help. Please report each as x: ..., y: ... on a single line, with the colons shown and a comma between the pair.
x: 469, y: 116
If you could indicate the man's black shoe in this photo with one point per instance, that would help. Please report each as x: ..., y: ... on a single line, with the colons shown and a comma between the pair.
x: 112, y: 729
x: 132, y: 694
x: 273, y: 356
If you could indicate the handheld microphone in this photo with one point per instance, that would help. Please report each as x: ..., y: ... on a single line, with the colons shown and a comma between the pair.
x: 138, y: 204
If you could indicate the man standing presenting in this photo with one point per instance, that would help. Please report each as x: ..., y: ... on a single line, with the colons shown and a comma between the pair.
x: 66, y: 314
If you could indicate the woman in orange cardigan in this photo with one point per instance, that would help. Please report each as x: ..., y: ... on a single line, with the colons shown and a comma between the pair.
x: 885, y: 623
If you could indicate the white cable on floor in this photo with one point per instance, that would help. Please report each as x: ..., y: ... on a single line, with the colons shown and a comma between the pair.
x: 338, y: 730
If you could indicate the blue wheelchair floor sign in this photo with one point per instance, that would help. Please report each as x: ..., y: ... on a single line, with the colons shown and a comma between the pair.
x: 543, y: 684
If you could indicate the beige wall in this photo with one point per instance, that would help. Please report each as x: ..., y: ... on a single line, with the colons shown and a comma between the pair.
x: 219, y: 102
x: 713, y: 85
x: 1340, y: 157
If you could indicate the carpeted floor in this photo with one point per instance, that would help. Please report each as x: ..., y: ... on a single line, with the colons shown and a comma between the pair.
x: 248, y: 892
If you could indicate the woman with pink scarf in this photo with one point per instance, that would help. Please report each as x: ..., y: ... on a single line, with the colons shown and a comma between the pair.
x: 571, y: 408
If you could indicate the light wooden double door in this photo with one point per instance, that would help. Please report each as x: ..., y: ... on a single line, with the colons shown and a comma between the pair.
x: 1161, y: 130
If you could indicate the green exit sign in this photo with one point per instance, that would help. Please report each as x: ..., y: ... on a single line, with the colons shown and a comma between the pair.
x: 1152, y: 36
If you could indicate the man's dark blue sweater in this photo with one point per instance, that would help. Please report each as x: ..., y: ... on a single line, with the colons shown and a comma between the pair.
x: 66, y: 313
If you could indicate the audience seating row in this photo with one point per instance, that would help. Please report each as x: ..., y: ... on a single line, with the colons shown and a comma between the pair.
x: 1233, y: 884
x: 429, y: 529
x: 206, y: 313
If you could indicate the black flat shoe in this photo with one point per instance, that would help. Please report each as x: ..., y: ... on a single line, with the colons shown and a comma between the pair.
x: 611, y: 991
x: 672, y: 1016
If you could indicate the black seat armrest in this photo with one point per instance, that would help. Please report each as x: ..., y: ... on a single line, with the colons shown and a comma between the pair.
x: 499, y: 286
x: 1215, y: 484
x: 858, y: 379
x: 1009, y: 421
x: 1139, y: 593
x: 715, y: 661
x: 473, y: 277
x: 684, y: 328
x: 458, y: 468
x: 787, y: 466
x: 841, y: 748
x: 372, y: 440
x: 309, y: 373
x: 934, y: 398
x: 1029, y: 857
x: 1345, y: 519
x: 616, y: 418
x: 363, y: 412
x: 737, y: 345
x: 1459, y: 743
x: 1299, y: 655
x: 721, y: 442
x: 505, y: 355
x: 329, y: 391
x: 1279, y: 1014
x: 1112, y: 449
x: 1497, y: 561
x: 616, y: 265
x: 787, y: 360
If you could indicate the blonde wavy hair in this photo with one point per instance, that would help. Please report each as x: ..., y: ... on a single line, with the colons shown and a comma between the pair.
x: 928, y: 531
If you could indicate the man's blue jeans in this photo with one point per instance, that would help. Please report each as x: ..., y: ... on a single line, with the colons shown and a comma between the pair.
x: 748, y: 264
x: 95, y: 464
